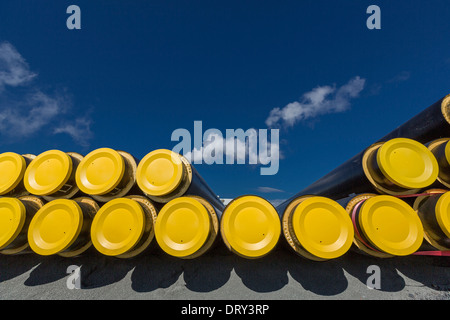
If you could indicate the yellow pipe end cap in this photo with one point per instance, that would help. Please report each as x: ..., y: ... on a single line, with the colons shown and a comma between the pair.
x: 100, y: 171
x: 160, y: 172
x: 182, y: 227
x: 391, y: 225
x: 12, y: 170
x: 251, y: 226
x: 55, y: 227
x: 323, y: 227
x: 407, y: 163
x: 12, y: 219
x: 118, y: 226
x: 447, y: 151
x: 443, y: 213
x: 48, y: 172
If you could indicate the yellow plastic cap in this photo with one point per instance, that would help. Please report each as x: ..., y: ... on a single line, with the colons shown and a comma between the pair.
x: 118, y: 226
x: 407, y: 163
x: 160, y: 172
x: 55, y: 227
x: 447, y: 151
x: 48, y: 172
x: 12, y: 219
x: 323, y: 227
x: 182, y: 227
x: 12, y: 170
x: 251, y: 226
x: 100, y: 171
x: 443, y: 213
x: 391, y: 225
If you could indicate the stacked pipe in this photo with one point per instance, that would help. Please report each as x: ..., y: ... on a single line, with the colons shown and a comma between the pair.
x: 383, y: 190
x: 384, y: 201
x: 65, y: 203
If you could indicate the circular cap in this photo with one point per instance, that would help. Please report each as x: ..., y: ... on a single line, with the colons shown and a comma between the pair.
x: 12, y: 219
x: 447, y: 151
x: 323, y: 227
x: 118, y: 226
x: 407, y: 163
x: 182, y: 227
x: 100, y: 171
x: 391, y: 225
x: 55, y: 227
x: 48, y: 172
x: 160, y: 172
x: 251, y: 226
x: 443, y: 213
x: 12, y: 169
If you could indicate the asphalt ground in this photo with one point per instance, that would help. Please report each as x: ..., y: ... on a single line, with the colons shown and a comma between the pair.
x: 222, y: 275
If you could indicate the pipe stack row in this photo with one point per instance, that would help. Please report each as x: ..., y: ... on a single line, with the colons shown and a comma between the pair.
x: 391, y: 199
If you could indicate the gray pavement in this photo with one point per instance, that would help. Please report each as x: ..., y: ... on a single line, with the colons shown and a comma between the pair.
x: 220, y: 274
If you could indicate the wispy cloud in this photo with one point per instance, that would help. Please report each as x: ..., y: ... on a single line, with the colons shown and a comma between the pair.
x: 79, y: 130
x: 234, y: 148
x: 400, y: 77
x: 269, y: 190
x: 14, y: 70
x: 319, y: 101
x: 31, y: 110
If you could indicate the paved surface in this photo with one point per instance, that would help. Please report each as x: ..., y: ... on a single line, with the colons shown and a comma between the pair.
x: 222, y: 275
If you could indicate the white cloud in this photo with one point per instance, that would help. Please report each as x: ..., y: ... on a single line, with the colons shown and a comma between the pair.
x: 14, y: 70
x: 30, y: 111
x: 79, y: 130
x: 400, y: 77
x: 269, y: 190
x: 238, y: 147
x: 321, y: 100
x: 34, y: 111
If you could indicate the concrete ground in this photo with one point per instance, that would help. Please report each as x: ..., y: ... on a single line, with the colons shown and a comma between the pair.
x: 220, y: 274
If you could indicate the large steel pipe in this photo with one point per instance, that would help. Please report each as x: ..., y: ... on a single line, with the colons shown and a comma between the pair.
x: 106, y: 174
x: 317, y: 228
x: 52, y: 175
x: 433, y: 209
x: 397, y: 167
x: 62, y: 227
x: 12, y: 171
x: 124, y: 227
x: 385, y: 226
x: 362, y: 173
x: 250, y: 226
x: 187, y: 227
x: 15, y: 217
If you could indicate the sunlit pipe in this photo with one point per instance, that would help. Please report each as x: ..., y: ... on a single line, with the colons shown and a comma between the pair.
x: 62, y: 227
x: 434, y: 212
x: 441, y: 150
x: 106, y: 174
x: 357, y: 175
x: 317, y: 228
x: 187, y: 227
x: 385, y: 226
x: 15, y: 218
x: 52, y: 175
x: 250, y: 227
x: 397, y: 167
x: 430, y: 124
x: 12, y: 171
x: 163, y: 175
x: 124, y: 227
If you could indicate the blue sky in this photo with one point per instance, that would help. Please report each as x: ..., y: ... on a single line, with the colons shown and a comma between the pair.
x: 138, y: 70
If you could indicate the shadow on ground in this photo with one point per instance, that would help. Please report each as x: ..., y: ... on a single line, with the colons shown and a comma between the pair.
x: 154, y: 270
